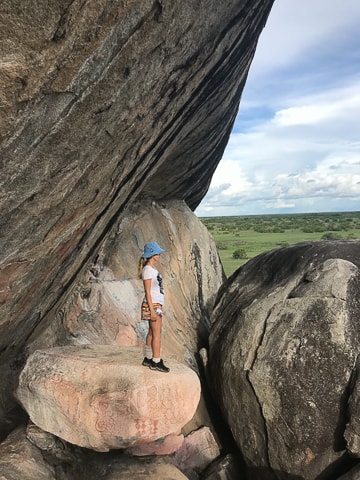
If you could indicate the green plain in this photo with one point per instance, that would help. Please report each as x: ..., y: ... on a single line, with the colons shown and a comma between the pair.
x: 252, y: 235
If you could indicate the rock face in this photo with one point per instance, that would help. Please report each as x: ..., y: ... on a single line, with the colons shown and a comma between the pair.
x: 35, y: 454
x: 104, y: 104
x: 225, y: 468
x: 289, y: 328
x: 149, y: 469
x: 352, y: 431
x: 141, y: 469
x: 166, y: 446
x: 19, y: 458
x: 102, y: 398
x: 103, y: 306
x: 114, y: 116
x: 197, y: 452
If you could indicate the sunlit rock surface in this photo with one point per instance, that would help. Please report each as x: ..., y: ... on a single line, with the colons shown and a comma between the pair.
x: 101, y: 397
x: 103, y: 306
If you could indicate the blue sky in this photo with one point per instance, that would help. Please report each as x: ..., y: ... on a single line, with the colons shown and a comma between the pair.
x: 295, y: 145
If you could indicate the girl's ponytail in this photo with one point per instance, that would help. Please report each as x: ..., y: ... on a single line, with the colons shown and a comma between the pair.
x: 142, y: 263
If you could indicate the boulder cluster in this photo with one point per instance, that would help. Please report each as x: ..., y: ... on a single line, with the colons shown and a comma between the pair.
x: 114, y: 116
x: 281, y: 362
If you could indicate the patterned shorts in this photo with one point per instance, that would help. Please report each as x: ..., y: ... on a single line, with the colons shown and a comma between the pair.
x: 145, y: 310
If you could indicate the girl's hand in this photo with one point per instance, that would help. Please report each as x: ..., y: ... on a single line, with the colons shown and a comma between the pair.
x: 154, y: 317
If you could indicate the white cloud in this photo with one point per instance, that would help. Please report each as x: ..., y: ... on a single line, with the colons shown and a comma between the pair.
x: 295, y: 145
x: 223, y: 179
x: 307, y: 114
x: 284, y: 175
x: 342, y: 103
x: 299, y: 28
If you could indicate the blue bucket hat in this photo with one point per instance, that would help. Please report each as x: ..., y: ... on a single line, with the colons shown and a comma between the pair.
x: 151, y: 249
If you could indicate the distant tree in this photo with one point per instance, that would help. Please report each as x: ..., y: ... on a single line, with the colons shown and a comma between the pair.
x: 331, y: 236
x: 283, y: 243
x: 239, y: 253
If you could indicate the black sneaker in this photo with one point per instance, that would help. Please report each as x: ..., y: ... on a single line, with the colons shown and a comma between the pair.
x: 160, y: 367
x: 146, y: 362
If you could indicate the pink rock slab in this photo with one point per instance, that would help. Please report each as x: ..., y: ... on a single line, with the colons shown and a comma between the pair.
x: 100, y: 397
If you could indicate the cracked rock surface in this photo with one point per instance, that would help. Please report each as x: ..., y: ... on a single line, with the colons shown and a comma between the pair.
x: 283, y: 371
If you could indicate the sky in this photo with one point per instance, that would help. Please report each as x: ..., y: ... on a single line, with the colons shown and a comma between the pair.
x: 295, y: 144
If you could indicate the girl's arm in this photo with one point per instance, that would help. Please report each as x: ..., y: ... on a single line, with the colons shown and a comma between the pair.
x: 147, y: 288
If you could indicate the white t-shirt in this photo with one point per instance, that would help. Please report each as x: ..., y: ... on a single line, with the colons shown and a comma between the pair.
x: 157, y: 289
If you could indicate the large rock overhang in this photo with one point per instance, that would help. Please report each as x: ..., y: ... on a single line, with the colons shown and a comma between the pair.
x: 102, y: 104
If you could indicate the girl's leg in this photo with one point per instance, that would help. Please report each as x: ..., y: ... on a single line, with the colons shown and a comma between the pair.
x: 147, y: 349
x: 149, y: 336
x: 155, y: 336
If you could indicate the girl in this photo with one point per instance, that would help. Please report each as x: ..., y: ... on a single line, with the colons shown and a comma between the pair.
x: 151, y: 308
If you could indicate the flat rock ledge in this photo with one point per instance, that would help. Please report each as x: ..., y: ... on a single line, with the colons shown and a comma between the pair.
x: 100, y: 396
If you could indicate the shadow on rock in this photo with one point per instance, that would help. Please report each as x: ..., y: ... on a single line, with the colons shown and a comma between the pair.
x: 263, y: 473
